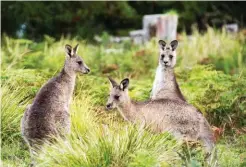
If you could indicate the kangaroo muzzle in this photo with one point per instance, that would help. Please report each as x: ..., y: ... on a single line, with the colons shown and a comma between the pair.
x: 85, y: 69
x: 109, y: 106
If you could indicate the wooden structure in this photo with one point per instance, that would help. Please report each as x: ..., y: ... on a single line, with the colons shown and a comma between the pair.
x: 161, y: 26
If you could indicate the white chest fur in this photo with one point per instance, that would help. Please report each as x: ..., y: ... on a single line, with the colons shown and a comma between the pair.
x: 158, y: 82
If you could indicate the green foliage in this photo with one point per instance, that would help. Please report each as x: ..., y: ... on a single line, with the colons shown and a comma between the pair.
x: 214, y: 47
x: 143, y: 159
x: 172, y: 12
x: 12, y: 111
x: 83, y: 19
x: 13, y: 103
x: 219, y: 96
x: 91, y: 142
x: 113, y: 145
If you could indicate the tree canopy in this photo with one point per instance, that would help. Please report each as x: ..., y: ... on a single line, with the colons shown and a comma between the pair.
x: 85, y: 19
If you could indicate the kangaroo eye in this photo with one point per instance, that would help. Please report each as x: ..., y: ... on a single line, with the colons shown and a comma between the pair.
x: 116, y: 97
x: 79, y: 62
x: 170, y: 56
x: 162, y: 56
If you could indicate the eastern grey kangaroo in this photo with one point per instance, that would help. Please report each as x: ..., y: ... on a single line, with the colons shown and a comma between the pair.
x: 49, y: 113
x: 165, y: 84
x: 177, y: 117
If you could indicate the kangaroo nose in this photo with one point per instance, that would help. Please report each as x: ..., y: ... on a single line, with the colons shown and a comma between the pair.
x: 88, y: 70
x: 165, y: 62
x: 108, y: 106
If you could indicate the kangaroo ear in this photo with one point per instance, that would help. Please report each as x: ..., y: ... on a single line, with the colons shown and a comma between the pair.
x: 75, y: 49
x: 112, y: 82
x: 174, y: 44
x: 68, y: 50
x: 162, y: 44
x: 124, y: 84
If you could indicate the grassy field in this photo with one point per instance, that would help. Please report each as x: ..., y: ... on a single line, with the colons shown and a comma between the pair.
x: 210, y: 72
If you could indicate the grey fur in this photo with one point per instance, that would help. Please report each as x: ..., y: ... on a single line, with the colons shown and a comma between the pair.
x: 165, y: 85
x: 49, y: 113
x: 175, y: 116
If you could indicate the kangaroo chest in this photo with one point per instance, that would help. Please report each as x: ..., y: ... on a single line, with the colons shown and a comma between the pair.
x: 164, y: 84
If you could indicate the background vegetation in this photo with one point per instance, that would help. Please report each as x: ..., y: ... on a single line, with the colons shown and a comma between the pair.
x: 33, y: 20
x: 210, y: 72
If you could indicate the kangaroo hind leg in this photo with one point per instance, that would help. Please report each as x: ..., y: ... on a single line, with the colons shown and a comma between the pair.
x: 211, y: 152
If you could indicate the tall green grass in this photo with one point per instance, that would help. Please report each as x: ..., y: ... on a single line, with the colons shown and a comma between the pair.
x: 101, y: 138
x: 94, y: 140
x: 13, y: 102
x: 106, y: 142
x: 224, y: 51
x: 98, y: 137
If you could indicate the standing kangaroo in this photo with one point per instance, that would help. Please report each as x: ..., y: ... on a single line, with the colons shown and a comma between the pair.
x: 177, y: 117
x: 165, y: 84
x: 49, y: 113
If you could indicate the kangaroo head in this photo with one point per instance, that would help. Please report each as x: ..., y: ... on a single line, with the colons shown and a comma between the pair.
x: 167, y: 57
x: 74, y: 63
x: 118, y: 93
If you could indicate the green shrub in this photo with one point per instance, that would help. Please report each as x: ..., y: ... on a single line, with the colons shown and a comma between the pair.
x: 219, y: 96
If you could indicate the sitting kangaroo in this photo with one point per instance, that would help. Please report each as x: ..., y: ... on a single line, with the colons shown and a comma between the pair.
x: 165, y: 85
x: 49, y: 113
x: 163, y: 115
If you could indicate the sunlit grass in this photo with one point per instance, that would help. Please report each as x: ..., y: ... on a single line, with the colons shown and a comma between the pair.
x: 220, y: 48
x: 102, y: 138
x: 98, y: 137
x: 225, y: 51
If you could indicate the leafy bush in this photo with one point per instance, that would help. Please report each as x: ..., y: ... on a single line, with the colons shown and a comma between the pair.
x: 219, y: 96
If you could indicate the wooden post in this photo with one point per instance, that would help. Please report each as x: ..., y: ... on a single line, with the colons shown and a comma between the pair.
x: 161, y: 26
x: 167, y: 27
